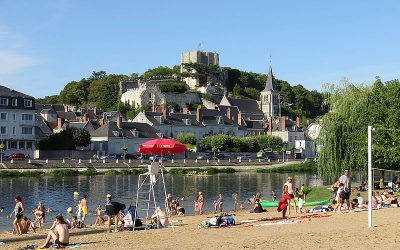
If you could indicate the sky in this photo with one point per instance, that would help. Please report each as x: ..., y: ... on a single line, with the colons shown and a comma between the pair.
x: 46, y: 44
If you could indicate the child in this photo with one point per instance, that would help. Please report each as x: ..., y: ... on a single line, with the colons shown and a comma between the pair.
x: 284, y: 202
x: 339, y: 198
x: 300, y: 203
x: 273, y: 196
x: 99, y: 220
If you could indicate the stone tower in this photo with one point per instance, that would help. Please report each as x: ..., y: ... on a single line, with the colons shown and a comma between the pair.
x: 269, y: 97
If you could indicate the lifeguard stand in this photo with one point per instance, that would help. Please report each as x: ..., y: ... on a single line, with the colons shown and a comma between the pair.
x: 145, y: 196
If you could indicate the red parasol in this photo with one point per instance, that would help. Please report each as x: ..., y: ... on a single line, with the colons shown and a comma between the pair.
x: 161, y: 146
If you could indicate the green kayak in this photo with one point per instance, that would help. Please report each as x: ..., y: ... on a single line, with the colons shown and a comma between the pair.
x: 268, y: 203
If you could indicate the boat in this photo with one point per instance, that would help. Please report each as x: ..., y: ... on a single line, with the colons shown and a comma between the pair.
x: 268, y: 203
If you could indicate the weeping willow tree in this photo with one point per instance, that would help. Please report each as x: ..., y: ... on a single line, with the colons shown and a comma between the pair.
x: 344, y: 131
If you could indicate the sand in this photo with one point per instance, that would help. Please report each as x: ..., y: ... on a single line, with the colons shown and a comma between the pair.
x: 348, y: 230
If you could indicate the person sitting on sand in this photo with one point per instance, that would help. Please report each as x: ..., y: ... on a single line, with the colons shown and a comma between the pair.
x: 26, y: 224
x: 258, y: 207
x: 180, y: 211
x: 160, y: 218
x: 391, y: 201
x: 59, y: 235
x: 284, y: 202
x: 99, y: 219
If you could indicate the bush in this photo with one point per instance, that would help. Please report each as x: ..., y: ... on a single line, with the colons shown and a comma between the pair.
x: 63, y: 172
x: 177, y: 87
x: 221, y: 142
x: 33, y: 173
x: 8, y: 173
x: 112, y: 172
x: 89, y: 172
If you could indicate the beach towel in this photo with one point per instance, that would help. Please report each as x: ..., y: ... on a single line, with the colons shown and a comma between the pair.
x: 282, y: 204
x: 284, y: 222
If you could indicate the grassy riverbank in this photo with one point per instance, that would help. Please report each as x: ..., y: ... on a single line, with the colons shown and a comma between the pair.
x: 307, y: 167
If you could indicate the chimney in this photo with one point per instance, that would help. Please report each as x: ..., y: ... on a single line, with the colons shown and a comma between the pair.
x: 59, y: 123
x: 239, y: 119
x: 119, y: 121
x: 283, y: 123
x: 297, y: 122
x: 228, y: 113
x: 101, y: 121
x: 198, y: 114
x: 270, y: 125
x: 185, y: 110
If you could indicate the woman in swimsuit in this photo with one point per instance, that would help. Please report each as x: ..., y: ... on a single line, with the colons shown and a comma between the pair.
x: 200, y: 202
x: 18, y: 212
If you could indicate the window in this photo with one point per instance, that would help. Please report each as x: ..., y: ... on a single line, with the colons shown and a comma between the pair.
x: 3, y: 130
x: 3, y: 116
x: 14, y: 117
x: 29, y: 145
x: 27, y: 117
x: 26, y: 131
x: 290, y: 138
x: 300, y: 144
x: 12, y: 145
x: 14, y: 131
x: 28, y: 103
x: 15, y: 102
x: 4, y: 101
x: 21, y: 145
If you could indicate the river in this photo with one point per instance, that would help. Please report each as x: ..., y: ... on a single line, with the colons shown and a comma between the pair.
x: 57, y: 193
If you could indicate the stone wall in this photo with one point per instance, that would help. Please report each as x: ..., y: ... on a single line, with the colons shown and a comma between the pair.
x: 60, y: 154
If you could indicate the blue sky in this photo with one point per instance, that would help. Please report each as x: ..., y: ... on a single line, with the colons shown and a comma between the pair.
x: 46, y: 44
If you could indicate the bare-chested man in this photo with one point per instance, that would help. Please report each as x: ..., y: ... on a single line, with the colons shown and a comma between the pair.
x: 84, y: 207
x: 289, y: 185
x: 59, y: 235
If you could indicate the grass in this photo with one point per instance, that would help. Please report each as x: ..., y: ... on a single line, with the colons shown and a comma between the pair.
x: 308, y: 166
x: 10, y: 173
x: 318, y: 193
x: 210, y: 170
x: 63, y: 172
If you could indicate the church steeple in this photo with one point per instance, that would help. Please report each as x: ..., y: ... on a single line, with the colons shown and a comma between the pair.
x: 270, y: 83
x: 269, y: 97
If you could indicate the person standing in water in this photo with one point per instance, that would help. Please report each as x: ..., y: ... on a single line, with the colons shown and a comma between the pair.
x: 200, y: 203
x: 235, y: 201
x: 18, y: 212
x: 84, y: 208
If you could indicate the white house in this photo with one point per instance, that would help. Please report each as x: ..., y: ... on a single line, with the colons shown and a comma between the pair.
x: 111, y: 137
x: 17, y: 121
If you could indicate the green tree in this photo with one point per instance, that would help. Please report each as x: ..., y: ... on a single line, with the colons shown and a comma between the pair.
x: 187, y: 138
x: 75, y: 93
x: 160, y: 71
x: 80, y: 136
x: 52, y: 99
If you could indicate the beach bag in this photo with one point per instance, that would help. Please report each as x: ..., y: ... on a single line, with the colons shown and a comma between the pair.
x: 230, y: 221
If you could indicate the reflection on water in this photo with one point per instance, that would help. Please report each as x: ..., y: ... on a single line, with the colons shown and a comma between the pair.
x: 57, y: 193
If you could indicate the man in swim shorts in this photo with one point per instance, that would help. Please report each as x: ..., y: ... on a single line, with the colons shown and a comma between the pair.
x: 289, y: 185
x: 59, y: 235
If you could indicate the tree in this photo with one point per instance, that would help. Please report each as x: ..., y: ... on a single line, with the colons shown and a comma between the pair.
x: 200, y: 71
x: 80, y: 136
x: 187, y: 138
x: 160, y: 71
x: 75, y: 93
x: 344, y: 131
x: 52, y: 99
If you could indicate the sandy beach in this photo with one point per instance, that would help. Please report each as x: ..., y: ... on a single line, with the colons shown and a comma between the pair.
x: 330, y: 231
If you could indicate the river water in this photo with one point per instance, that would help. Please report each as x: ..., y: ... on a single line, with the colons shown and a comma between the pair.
x: 57, y: 193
